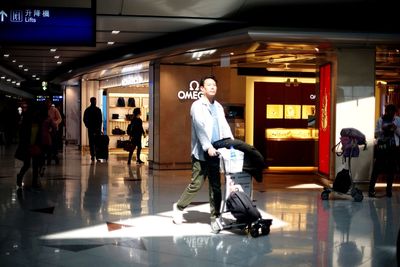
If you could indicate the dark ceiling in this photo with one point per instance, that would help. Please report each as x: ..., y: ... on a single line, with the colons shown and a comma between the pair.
x: 167, y: 29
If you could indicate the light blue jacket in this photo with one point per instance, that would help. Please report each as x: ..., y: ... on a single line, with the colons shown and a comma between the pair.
x: 202, y: 124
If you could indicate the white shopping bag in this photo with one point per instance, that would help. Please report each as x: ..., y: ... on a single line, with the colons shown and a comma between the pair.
x: 232, y: 160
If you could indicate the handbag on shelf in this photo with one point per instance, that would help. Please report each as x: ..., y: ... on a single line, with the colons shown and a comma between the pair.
x: 117, y: 131
x: 121, y: 143
x: 131, y: 102
x: 120, y: 102
x: 129, y: 117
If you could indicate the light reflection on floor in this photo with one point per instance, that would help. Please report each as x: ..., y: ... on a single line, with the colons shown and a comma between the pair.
x: 110, y: 214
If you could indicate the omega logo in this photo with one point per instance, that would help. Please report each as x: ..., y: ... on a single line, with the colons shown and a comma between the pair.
x: 193, y: 92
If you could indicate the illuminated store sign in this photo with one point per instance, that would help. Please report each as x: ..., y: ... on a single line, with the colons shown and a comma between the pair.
x: 47, y: 26
x: 193, y: 92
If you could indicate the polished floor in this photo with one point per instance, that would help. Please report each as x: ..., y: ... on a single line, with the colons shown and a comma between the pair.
x: 112, y: 214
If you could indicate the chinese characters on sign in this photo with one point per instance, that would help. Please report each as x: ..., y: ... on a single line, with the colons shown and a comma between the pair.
x: 48, y: 26
x: 26, y: 15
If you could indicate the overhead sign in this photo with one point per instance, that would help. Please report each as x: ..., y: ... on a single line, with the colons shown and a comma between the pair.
x: 48, y: 26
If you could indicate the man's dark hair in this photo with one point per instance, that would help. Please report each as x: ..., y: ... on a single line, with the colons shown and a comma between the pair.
x: 207, y: 77
x: 136, y: 111
x: 93, y: 100
x: 390, y: 108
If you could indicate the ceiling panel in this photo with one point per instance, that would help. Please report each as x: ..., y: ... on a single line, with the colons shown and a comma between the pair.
x: 146, y: 25
x: 109, y: 7
x: 124, y: 38
x: 182, y: 8
x: 134, y: 24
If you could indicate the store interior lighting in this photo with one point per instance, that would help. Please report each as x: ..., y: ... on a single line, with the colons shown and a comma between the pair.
x: 287, y: 83
x: 295, y: 83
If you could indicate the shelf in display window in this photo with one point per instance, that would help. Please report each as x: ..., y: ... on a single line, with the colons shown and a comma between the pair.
x: 126, y: 107
x: 291, y: 134
x: 119, y: 120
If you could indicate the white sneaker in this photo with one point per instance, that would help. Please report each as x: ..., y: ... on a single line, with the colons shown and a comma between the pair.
x: 177, y: 214
x: 215, y: 226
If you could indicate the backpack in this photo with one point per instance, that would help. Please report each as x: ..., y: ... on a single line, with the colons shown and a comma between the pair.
x: 342, y: 181
x: 242, y: 207
x: 350, y: 139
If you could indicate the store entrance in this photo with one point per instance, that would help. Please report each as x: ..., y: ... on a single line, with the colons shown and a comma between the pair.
x: 284, y: 124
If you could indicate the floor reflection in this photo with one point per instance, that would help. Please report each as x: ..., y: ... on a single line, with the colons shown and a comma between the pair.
x: 112, y: 214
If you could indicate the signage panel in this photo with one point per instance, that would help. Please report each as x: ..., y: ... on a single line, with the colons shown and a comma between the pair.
x: 324, y: 121
x: 48, y: 26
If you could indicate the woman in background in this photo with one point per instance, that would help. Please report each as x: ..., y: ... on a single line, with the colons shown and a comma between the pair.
x: 135, y: 131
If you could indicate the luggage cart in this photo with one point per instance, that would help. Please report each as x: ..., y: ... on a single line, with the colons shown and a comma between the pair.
x: 350, y: 141
x: 237, y: 180
x: 354, y: 192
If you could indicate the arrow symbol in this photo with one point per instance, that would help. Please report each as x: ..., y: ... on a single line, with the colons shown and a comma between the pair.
x: 2, y: 15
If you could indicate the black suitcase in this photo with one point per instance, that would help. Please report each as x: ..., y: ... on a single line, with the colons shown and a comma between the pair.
x: 102, y: 146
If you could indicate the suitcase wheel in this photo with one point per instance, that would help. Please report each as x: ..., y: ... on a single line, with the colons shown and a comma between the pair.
x: 357, y: 195
x: 325, y: 195
x: 265, y: 229
x: 254, y: 230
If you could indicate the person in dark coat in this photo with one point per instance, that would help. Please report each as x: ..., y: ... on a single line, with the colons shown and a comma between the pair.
x: 387, y: 131
x: 92, y: 118
x: 31, y: 145
x: 135, y: 131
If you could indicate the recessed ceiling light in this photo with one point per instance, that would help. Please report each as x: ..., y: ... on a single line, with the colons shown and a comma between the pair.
x: 37, y: 78
x: 20, y: 66
x: 56, y: 57
x: 59, y: 62
x: 8, y: 80
x: 6, y: 55
x: 33, y: 75
x: 14, y: 60
x: 3, y: 77
x: 115, y: 32
x: 110, y: 43
x: 25, y: 69
x: 13, y: 82
x: 52, y: 50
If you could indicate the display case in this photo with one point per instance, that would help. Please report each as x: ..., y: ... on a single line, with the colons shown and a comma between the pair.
x: 120, y: 113
x: 235, y: 117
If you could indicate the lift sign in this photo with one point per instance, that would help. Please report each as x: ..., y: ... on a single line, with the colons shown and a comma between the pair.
x: 193, y: 92
x: 48, y: 26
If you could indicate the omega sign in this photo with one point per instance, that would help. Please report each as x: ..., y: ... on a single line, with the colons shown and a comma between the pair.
x: 193, y: 92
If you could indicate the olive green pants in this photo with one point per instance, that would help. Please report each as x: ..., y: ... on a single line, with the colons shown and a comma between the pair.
x: 200, y: 171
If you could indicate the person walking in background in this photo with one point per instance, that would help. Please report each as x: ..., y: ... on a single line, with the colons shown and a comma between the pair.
x: 135, y: 131
x: 386, y: 153
x: 92, y: 118
x: 208, y: 125
x: 31, y: 143
x: 55, y: 116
